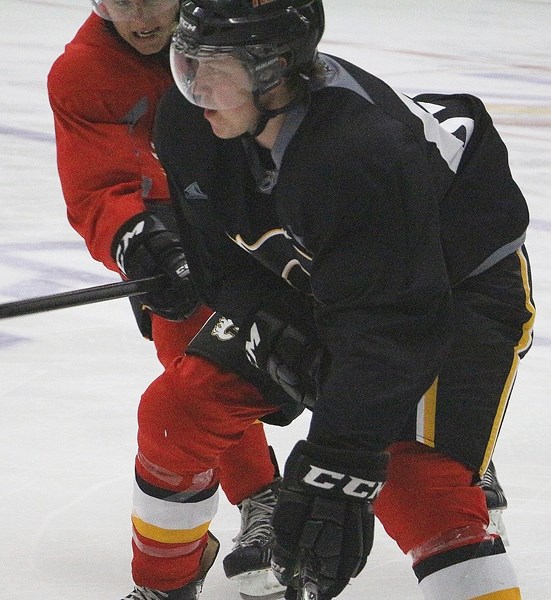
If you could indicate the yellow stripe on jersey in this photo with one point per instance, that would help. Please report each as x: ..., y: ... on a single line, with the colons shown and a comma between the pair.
x: 510, y: 594
x: 519, y: 348
x: 169, y: 536
x: 426, y: 416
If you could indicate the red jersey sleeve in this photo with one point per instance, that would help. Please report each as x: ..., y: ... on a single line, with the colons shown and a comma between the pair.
x: 103, y: 95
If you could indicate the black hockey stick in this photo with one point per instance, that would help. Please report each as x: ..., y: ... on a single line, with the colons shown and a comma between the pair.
x: 98, y: 293
x: 308, y: 588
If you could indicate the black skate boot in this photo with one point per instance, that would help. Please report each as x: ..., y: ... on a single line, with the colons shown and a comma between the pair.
x: 249, y: 562
x: 192, y: 590
x: 496, y: 502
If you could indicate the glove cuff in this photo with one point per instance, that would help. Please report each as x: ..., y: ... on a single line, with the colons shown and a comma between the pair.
x: 131, y: 233
x: 353, y: 474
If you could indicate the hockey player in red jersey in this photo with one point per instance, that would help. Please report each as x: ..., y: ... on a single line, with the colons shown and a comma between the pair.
x: 103, y: 91
x: 399, y: 227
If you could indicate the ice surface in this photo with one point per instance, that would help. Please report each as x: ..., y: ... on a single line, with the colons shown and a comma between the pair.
x: 71, y: 379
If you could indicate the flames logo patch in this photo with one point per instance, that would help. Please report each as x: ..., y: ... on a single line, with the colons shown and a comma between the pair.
x: 224, y: 330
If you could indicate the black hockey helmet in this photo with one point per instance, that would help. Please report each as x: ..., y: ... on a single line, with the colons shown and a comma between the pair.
x: 259, y: 33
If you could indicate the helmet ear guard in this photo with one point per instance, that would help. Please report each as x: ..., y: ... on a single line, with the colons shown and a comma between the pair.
x: 267, y: 74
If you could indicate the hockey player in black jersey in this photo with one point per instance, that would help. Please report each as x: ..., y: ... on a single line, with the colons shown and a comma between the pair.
x: 375, y: 243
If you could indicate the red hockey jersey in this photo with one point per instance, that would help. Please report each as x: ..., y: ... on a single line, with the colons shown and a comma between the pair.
x: 103, y: 95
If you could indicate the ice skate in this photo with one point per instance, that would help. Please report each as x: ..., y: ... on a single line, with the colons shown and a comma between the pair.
x: 249, y: 562
x: 190, y: 591
x: 496, y: 502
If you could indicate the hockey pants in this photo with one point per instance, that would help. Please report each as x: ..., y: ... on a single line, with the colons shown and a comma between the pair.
x: 192, y: 422
x: 429, y: 504
x: 244, y: 467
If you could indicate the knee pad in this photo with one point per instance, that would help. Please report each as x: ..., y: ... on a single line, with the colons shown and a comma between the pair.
x: 429, y: 503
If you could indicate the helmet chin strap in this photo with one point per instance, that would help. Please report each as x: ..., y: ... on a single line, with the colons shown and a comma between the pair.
x: 269, y: 113
x: 265, y: 114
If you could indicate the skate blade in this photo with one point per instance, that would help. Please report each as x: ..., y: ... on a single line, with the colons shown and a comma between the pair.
x: 497, y: 526
x: 259, y: 585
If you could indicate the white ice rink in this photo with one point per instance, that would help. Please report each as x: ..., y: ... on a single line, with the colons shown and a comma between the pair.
x: 71, y: 379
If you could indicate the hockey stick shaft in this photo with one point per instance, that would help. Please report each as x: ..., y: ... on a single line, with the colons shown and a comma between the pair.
x: 309, y: 591
x: 308, y: 588
x: 98, y: 293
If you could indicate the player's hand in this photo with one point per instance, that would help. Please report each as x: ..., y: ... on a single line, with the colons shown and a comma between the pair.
x: 289, y: 355
x: 324, y: 516
x: 145, y: 247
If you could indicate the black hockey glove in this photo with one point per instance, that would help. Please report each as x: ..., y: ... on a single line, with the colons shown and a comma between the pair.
x: 323, y: 519
x: 291, y: 357
x: 144, y: 247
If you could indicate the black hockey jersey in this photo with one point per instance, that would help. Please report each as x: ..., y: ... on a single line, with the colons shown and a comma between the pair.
x: 371, y: 205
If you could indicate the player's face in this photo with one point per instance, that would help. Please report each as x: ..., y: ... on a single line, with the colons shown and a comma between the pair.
x: 215, y: 81
x: 233, y: 122
x: 220, y: 84
x: 147, y: 25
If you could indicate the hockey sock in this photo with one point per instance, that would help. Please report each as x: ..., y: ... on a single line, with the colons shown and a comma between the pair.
x: 474, y: 572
